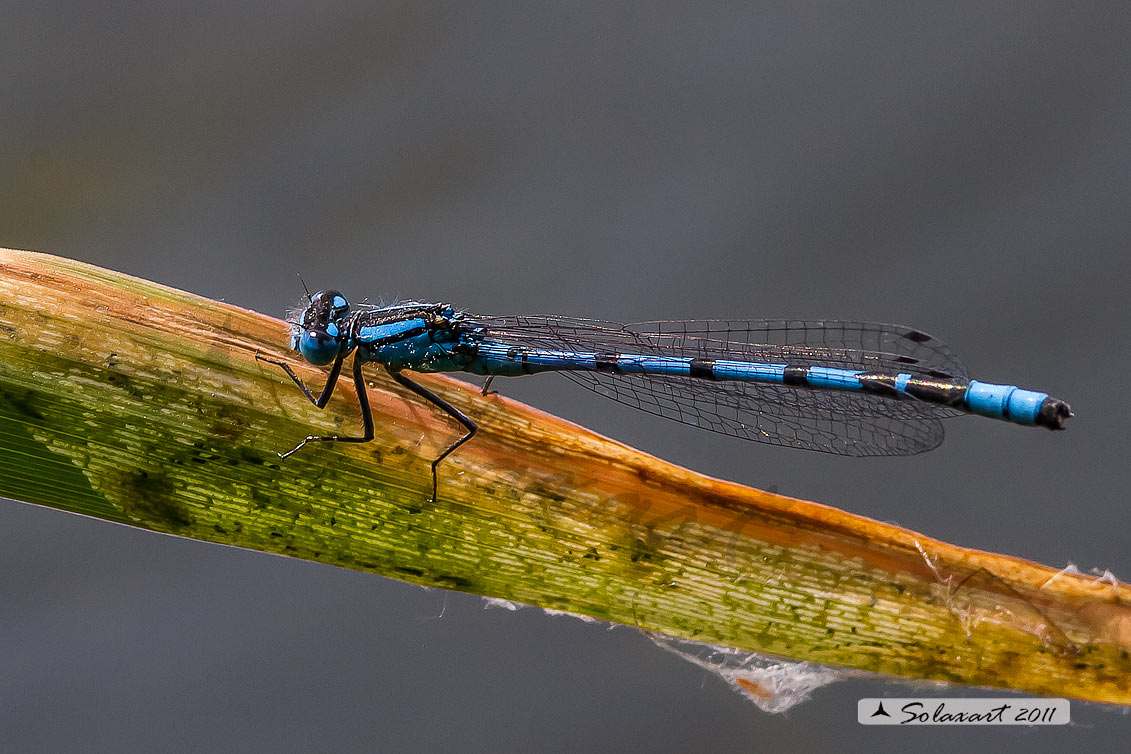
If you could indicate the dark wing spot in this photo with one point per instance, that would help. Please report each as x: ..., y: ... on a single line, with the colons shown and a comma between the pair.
x: 907, y: 360
x: 917, y: 337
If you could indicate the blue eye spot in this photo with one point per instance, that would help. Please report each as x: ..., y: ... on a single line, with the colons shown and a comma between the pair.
x: 318, y: 348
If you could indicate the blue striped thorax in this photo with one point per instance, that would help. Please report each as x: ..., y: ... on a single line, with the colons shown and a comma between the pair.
x: 420, y: 337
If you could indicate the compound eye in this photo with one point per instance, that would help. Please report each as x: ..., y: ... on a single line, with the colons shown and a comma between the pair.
x: 317, y: 347
x: 333, y: 301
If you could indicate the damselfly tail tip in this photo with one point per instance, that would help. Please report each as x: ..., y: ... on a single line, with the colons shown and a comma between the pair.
x: 1054, y: 413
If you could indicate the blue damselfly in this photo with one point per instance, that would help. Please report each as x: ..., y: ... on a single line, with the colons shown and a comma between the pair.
x: 851, y: 388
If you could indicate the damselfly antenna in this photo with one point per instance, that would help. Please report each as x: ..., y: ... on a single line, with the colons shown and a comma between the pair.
x: 308, y: 296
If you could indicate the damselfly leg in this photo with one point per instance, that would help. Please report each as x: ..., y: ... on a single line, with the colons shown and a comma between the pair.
x: 327, y: 390
x: 324, y: 398
x: 450, y: 410
x: 366, y: 414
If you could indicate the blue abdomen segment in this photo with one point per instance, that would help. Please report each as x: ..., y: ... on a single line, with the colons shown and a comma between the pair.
x: 511, y: 361
x: 830, y: 378
x: 1007, y: 402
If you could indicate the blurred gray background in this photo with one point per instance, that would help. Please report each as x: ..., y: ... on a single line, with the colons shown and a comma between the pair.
x: 965, y: 171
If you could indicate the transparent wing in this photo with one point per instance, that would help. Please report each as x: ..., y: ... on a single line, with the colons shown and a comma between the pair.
x: 845, y: 423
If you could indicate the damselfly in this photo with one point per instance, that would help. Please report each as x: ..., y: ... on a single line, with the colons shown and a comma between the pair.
x: 851, y: 388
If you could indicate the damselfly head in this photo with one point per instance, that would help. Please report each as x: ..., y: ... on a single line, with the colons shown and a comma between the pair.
x: 319, y: 335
